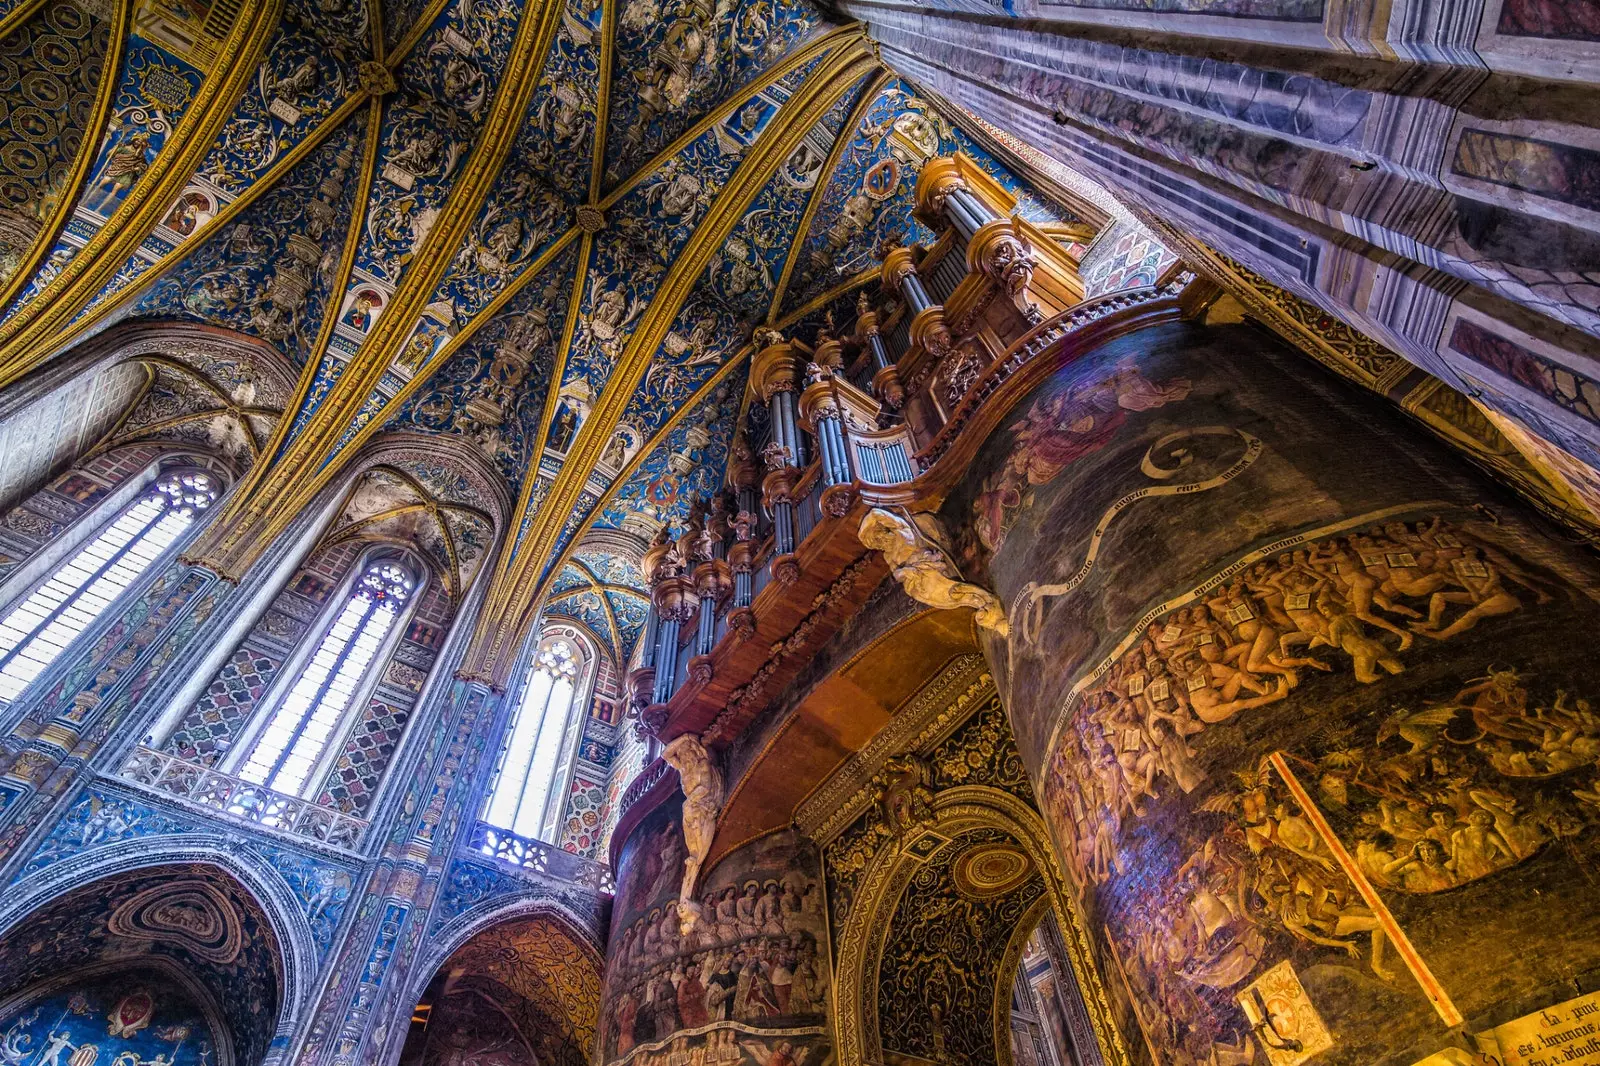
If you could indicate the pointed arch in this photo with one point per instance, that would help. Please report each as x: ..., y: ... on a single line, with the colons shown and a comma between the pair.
x: 881, y: 889
x: 295, y: 952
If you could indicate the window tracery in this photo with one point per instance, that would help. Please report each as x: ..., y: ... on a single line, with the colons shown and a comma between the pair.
x: 290, y: 745
x: 35, y: 632
x: 539, y: 748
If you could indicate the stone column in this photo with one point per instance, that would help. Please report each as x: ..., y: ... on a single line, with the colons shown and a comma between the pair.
x: 1306, y: 702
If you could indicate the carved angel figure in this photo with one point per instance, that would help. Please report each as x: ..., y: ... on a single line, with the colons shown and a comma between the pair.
x: 924, y: 569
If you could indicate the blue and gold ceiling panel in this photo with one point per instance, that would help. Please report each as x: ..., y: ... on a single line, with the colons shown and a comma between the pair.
x: 662, y: 211
x: 545, y: 177
x: 423, y: 146
x: 153, y: 92
x: 519, y: 222
x: 298, y: 84
x: 304, y: 77
x: 689, y: 464
x: 270, y: 273
x: 577, y: 520
x: 459, y: 61
x: 675, y: 60
x: 608, y: 569
x: 620, y: 283
x: 568, y: 580
x: 492, y: 390
x: 705, y: 335
x: 400, y: 17
x: 430, y: 129
x: 871, y: 193
x: 868, y: 197
x: 628, y: 612
x: 343, y: 25
x: 746, y: 270
x: 587, y: 608
x: 556, y: 141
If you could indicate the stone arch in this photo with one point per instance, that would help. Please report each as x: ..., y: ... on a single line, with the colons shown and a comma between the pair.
x: 525, y: 973
x: 447, y: 940
x: 167, y: 384
x: 446, y: 501
x: 253, y: 946
x: 861, y: 943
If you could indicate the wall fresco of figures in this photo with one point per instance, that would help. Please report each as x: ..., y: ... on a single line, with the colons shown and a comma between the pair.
x: 1308, y: 706
x: 138, y: 1018
x: 747, y: 986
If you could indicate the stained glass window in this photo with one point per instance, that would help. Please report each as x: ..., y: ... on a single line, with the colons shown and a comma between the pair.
x: 295, y: 737
x: 531, y: 760
x: 42, y: 626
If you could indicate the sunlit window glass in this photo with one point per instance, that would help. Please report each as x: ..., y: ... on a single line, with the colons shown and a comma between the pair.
x: 300, y: 728
x: 56, y: 613
x: 521, y: 791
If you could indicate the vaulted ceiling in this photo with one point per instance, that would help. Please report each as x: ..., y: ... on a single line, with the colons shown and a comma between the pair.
x: 548, y: 230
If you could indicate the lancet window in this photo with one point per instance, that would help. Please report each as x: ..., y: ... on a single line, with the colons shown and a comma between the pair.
x: 536, y: 760
x: 306, y: 723
x: 54, y: 614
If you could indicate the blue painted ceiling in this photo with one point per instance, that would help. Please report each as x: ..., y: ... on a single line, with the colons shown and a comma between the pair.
x: 646, y: 108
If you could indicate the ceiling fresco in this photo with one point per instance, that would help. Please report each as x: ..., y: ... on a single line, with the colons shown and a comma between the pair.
x: 581, y: 593
x: 260, y: 275
x: 309, y: 71
x: 390, y: 162
x: 61, y: 53
x: 675, y: 60
x: 493, y: 389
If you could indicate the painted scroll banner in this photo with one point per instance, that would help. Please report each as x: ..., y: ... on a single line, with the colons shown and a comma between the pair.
x: 1567, y: 1034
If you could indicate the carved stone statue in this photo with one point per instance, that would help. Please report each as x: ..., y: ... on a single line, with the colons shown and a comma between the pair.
x: 702, y: 801
x: 924, y: 569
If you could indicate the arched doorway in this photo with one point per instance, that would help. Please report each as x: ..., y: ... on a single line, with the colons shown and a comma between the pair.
x: 167, y: 966
x: 1049, y: 1026
x: 928, y: 955
x: 523, y: 992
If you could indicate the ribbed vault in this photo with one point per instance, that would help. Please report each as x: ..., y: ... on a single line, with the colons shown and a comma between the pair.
x: 548, y: 229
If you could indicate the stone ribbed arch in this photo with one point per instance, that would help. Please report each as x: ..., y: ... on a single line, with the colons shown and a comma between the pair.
x: 860, y: 944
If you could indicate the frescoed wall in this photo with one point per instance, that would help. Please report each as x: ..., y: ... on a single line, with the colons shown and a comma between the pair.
x: 1302, y: 701
x: 93, y: 976
x: 747, y: 986
x: 522, y: 993
x: 132, y: 1018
